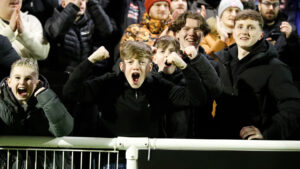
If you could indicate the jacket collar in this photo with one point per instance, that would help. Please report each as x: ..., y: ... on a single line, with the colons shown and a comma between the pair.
x: 261, y: 53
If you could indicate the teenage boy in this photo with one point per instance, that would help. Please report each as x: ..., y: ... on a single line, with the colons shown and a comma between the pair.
x: 29, y: 108
x: 189, y: 29
x: 132, y: 101
x: 176, y: 120
x: 259, y: 100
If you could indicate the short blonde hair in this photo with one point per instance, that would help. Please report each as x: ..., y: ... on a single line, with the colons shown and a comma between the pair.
x: 27, y: 62
x: 136, y: 50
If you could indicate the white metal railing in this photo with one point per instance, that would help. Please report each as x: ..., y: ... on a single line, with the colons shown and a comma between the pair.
x: 132, y: 145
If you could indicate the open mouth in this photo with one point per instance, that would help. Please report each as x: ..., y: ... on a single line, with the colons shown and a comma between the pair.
x: 22, y: 91
x: 167, y: 64
x: 135, y: 77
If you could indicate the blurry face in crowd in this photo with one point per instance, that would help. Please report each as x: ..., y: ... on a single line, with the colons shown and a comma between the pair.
x: 8, y: 6
x: 160, y: 56
x: 136, y: 70
x: 246, y: 33
x: 229, y: 15
x: 179, y: 5
x: 269, y: 9
x: 160, y: 10
x: 190, y: 34
x: 80, y: 3
x: 23, y: 81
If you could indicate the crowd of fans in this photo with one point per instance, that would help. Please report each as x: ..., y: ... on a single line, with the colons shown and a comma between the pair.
x: 222, y: 69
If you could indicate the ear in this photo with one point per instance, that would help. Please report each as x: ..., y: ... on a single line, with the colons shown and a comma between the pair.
x: 150, y: 66
x: 122, y: 66
x: 63, y: 3
x: 262, y: 35
x: 38, y: 82
x: 154, y: 50
x: 8, y: 81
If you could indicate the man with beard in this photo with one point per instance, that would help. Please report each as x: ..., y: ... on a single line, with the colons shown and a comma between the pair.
x: 281, y: 33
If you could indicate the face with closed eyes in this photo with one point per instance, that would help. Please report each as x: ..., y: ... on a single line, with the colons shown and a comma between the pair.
x: 23, y: 81
x: 136, y: 70
x: 160, y: 57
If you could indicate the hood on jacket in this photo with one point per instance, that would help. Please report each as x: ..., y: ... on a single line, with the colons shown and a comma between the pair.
x: 262, y: 52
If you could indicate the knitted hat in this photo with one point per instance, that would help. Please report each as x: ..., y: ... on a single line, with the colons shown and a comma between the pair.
x: 149, y: 3
x: 224, y: 4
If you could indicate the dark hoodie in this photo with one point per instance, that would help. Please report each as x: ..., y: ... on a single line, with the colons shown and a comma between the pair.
x: 257, y: 90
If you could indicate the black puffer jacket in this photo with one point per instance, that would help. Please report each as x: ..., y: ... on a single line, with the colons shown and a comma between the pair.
x: 45, y: 116
x: 73, y: 41
x: 257, y: 91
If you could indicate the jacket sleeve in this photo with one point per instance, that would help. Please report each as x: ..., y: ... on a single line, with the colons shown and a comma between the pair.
x: 32, y: 38
x: 207, y: 74
x: 102, y: 22
x: 80, y: 88
x: 60, y: 22
x: 211, y: 45
x: 193, y: 94
x: 61, y: 123
x: 286, y: 123
x: 7, y: 53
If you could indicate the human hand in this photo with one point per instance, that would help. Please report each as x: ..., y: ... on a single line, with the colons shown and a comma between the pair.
x: 13, y: 20
x: 20, y: 26
x: 100, y: 54
x: 191, y: 52
x: 223, y: 34
x: 176, y: 60
x: 176, y: 13
x: 250, y: 133
x: 202, y: 12
x: 286, y: 28
x: 39, y: 88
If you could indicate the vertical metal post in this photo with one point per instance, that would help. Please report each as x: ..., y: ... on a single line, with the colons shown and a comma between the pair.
x: 17, y: 161
x: 63, y: 160
x: 45, y: 158
x: 26, y: 160
x: 35, y: 159
x: 90, y: 161
x: 99, y: 160
x: 132, y: 154
x: 8, y: 159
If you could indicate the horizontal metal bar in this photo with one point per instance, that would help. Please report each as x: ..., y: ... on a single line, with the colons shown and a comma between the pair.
x: 122, y: 143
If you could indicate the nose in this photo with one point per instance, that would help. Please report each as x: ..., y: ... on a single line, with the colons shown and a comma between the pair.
x: 271, y: 6
x: 233, y: 13
x: 136, y: 65
x: 191, y: 31
x: 22, y: 81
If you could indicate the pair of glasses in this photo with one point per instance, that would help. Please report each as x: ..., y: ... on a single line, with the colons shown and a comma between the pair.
x: 269, y: 4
